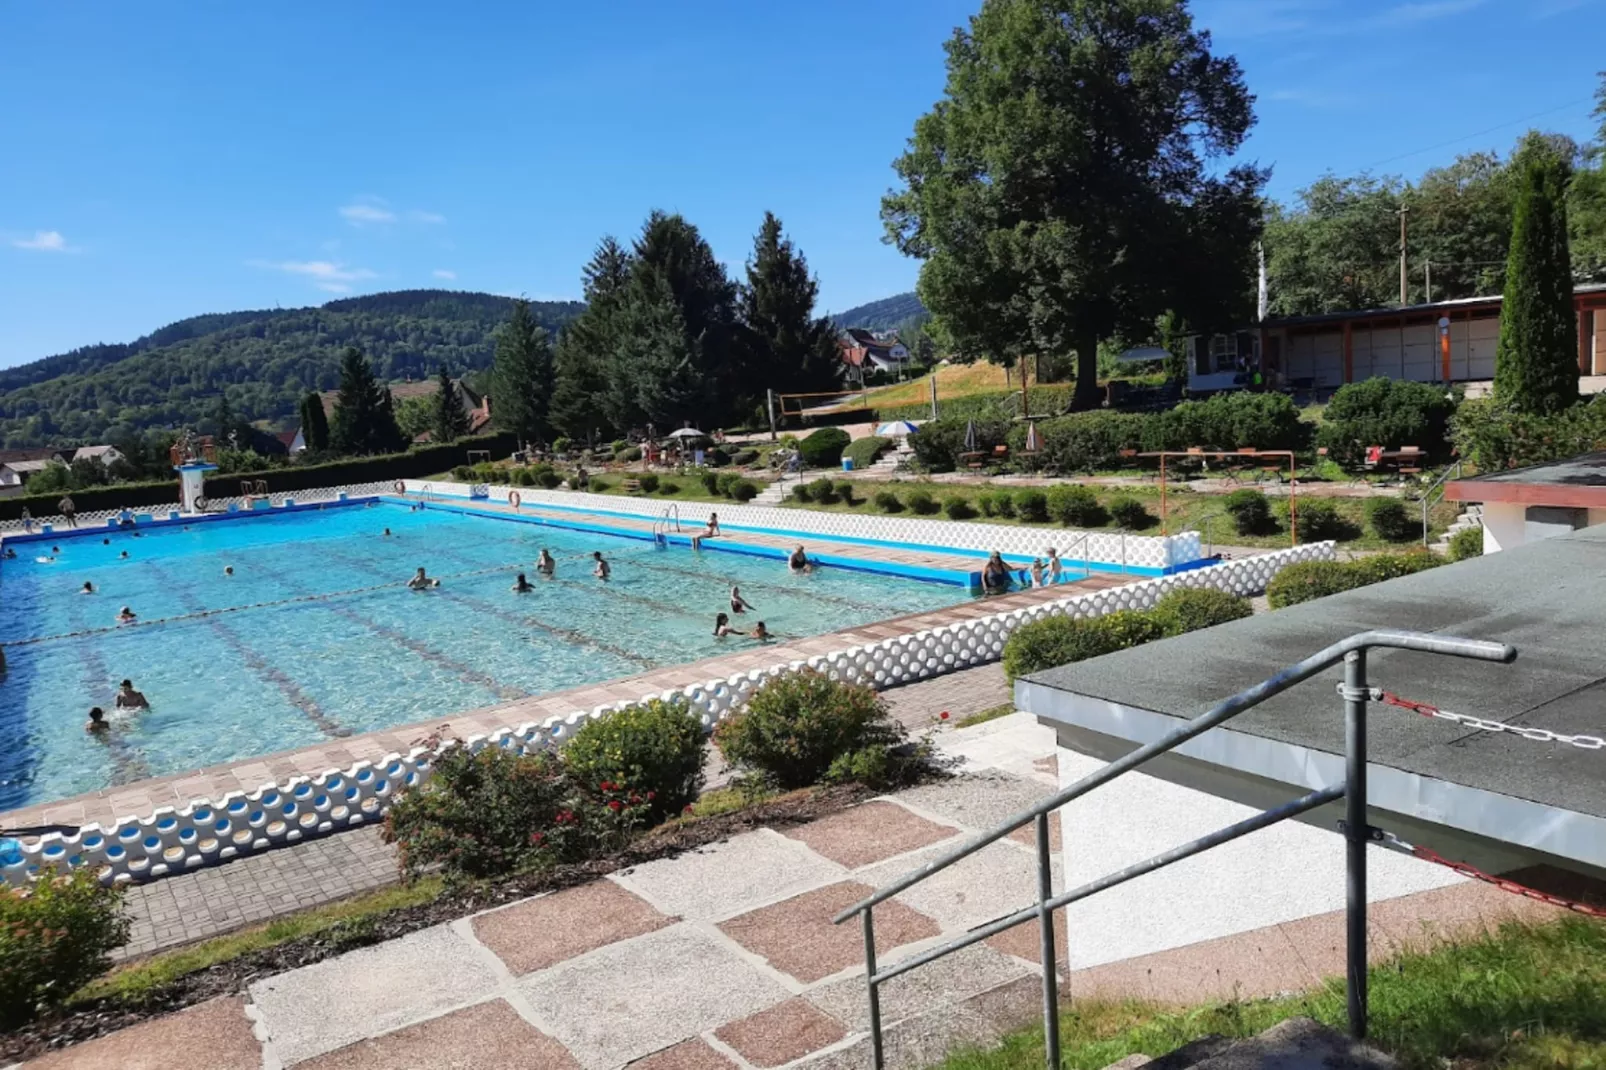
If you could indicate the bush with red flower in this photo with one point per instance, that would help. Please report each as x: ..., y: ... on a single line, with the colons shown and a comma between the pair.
x: 55, y: 937
x: 655, y: 747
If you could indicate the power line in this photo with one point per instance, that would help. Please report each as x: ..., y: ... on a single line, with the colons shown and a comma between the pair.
x: 1480, y: 133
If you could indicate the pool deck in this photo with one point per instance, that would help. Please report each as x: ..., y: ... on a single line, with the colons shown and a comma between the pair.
x: 140, y: 798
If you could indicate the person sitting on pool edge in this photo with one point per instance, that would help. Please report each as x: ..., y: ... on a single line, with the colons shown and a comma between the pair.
x: 707, y: 533
x: 129, y: 699
x: 126, y: 616
x: 995, y: 574
x: 722, y: 627
x: 545, y: 565
x: 421, y: 582
x: 603, y: 569
x: 798, y: 561
x: 87, y: 588
x: 521, y: 585
x: 97, y: 722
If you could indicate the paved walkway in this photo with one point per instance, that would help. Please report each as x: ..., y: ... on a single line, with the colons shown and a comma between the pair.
x: 209, y: 902
x: 725, y: 958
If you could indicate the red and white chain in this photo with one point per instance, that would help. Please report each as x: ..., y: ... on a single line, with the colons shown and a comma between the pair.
x: 1428, y: 854
x: 1536, y: 735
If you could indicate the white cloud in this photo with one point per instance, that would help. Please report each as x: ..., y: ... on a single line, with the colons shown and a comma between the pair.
x: 442, y: 273
x: 425, y: 217
x: 44, y: 241
x: 329, y: 275
x: 362, y: 214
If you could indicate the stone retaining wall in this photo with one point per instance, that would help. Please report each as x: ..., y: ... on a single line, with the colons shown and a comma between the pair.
x: 173, y: 841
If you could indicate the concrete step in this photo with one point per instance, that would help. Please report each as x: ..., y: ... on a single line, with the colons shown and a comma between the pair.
x: 1294, y: 1044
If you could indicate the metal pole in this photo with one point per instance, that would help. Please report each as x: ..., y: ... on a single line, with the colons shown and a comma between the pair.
x: 1293, y: 502
x: 1355, y: 834
x: 877, y: 1056
x: 1427, y: 282
x: 933, y: 377
x: 771, y: 395
x: 1045, y: 926
x: 1404, y: 279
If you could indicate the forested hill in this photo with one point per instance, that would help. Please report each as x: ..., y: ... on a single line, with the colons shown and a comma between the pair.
x: 889, y: 313
x: 265, y: 360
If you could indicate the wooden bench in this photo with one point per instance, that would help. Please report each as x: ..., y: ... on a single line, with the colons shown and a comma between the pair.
x: 632, y: 486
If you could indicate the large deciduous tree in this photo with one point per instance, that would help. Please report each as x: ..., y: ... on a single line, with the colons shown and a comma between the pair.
x: 314, y: 423
x: 521, y: 378
x: 1536, y: 359
x: 1054, y: 193
x: 448, y: 418
x: 787, y: 348
x: 365, y: 419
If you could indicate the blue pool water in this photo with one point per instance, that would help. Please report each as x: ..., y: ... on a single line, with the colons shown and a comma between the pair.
x: 258, y: 678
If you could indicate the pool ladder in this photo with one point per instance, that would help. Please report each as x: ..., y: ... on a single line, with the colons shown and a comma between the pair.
x: 660, y: 527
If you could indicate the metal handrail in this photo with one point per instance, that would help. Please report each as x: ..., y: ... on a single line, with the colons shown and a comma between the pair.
x: 1356, y: 693
x: 661, y: 525
x: 1428, y: 498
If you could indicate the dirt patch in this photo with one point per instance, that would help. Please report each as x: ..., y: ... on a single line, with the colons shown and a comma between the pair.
x: 90, y: 1020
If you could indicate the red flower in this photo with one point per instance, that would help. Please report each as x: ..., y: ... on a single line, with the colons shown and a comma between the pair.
x: 650, y: 795
x: 536, y: 838
x: 615, y: 805
x: 943, y: 715
x: 606, y: 785
x: 634, y: 798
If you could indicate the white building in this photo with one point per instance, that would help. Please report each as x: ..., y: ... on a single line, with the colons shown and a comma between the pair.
x: 1528, y: 504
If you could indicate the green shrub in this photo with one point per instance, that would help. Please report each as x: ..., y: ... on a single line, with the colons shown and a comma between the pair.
x: 1310, y: 580
x: 921, y: 502
x: 1391, y: 521
x: 55, y: 937
x: 668, y: 488
x: 822, y: 490
x: 888, y: 502
x: 654, y: 749
x: 1130, y: 513
x: 864, y: 451
x: 938, y: 444
x: 1193, y: 608
x: 649, y: 482
x: 1083, y: 442
x: 1230, y: 422
x: 744, y: 490
x: 710, y: 481
x: 1250, y: 511
x: 561, y: 444
x: 1493, y: 437
x: 801, y: 492
x: 987, y: 502
x: 726, y: 483
x: 744, y: 457
x: 823, y: 447
x: 630, y: 455
x: 1031, y: 506
x: 797, y: 726
x: 521, y: 477
x: 1385, y: 412
x: 1043, y: 644
x: 716, y: 458
x: 463, y: 474
x: 958, y: 507
x: 844, y: 491
x: 596, y: 485
x: 549, y: 479
x: 1316, y: 519
x: 619, y: 445
x: 1075, y: 505
x: 1468, y: 542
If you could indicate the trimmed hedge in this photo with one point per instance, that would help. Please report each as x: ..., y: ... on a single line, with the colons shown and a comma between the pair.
x: 823, y: 448
x: 1309, y: 580
x: 1250, y: 511
x: 888, y: 502
x: 1391, y: 521
x: 1076, y: 506
x: 1385, y: 412
x: 1043, y: 644
x: 1130, y: 513
x: 864, y: 451
x: 1468, y: 542
x: 1193, y: 608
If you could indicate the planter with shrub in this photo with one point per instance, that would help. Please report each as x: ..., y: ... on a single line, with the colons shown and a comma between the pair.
x: 55, y: 937
x: 1193, y: 608
x: 803, y: 728
x: 1043, y: 644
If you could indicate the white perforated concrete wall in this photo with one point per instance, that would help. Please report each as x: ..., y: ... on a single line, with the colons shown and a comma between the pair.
x: 173, y: 841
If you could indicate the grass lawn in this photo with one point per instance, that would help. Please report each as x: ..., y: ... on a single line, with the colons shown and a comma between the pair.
x: 1526, y: 998
x: 953, y: 380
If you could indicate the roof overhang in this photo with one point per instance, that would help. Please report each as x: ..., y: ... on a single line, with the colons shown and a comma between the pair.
x: 1561, y: 495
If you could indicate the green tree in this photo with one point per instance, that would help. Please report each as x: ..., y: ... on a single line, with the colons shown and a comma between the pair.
x: 521, y: 378
x: 1586, y: 200
x: 662, y: 365
x: 228, y: 429
x: 788, y: 348
x: 415, y: 415
x: 583, y: 358
x: 449, y: 420
x: 314, y: 422
x: 1536, y: 359
x: 1055, y: 194
x: 1337, y: 248
x: 365, y: 420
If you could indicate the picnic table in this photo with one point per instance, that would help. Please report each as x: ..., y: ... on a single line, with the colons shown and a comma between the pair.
x: 1404, y: 461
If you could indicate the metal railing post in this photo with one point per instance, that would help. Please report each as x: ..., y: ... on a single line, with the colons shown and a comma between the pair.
x: 1356, y: 837
x: 1045, y: 925
x: 877, y: 1056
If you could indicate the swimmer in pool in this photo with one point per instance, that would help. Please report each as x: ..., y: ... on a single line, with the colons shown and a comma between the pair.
x: 421, y: 582
x: 124, y: 555
x: 129, y: 699
x: 387, y: 533
x: 126, y: 616
x: 761, y: 633
x: 603, y: 569
x: 545, y: 565
x: 105, y: 542
x: 11, y: 555
x: 97, y: 722
x: 722, y: 627
x: 799, y: 561
x: 1054, y: 566
x: 228, y: 570
x: 738, y: 603
x: 1037, y: 572
x: 87, y: 588
x: 521, y: 585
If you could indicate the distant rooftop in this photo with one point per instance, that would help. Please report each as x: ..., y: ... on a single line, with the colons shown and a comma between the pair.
x: 1578, y: 482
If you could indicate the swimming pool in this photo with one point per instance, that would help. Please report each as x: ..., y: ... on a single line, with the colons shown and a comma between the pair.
x: 313, y: 637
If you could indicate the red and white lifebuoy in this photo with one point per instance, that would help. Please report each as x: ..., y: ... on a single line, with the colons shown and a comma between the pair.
x: 199, y: 504
x: 513, y: 498
x: 401, y: 488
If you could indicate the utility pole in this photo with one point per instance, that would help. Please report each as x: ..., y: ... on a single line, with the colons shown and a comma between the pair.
x: 1427, y: 281
x: 1404, y: 278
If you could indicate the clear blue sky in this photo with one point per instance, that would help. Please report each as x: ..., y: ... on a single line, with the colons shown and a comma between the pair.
x: 163, y: 160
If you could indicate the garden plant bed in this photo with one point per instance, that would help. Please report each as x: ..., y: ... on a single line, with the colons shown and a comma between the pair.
x: 91, y: 1018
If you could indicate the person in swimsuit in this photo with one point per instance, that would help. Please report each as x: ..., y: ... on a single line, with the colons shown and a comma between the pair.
x: 995, y: 574
x: 545, y: 565
x: 126, y: 616
x: 738, y: 603
x: 707, y: 533
x: 799, y: 561
x: 1054, y: 566
x: 228, y: 570
x: 603, y: 569
x: 761, y: 633
x: 1037, y: 572
x: 87, y: 588
x: 11, y: 555
x: 421, y: 582
x: 123, y: 556
x: 521, y: 585
x: 387, y: 533
x: 722, y: 627
x: 97, y: 722
x: 129, y: 699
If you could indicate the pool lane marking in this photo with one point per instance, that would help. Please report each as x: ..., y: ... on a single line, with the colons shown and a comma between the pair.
x: 128, y: 761
x: 287, y: 687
